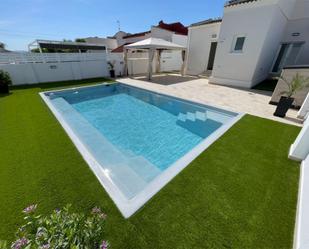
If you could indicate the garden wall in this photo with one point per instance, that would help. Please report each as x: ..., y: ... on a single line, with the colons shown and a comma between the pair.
x: 288, y: 73
x: 31, y: 68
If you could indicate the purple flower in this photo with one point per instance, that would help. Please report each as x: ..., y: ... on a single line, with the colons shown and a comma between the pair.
x: 18, y: 244
x: 30, y: 209
x: 46, y: 246
x: 96, y: 210
x: 104, y: 245
x: 57, y: 210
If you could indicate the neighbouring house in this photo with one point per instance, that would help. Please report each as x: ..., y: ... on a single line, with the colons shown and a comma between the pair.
x: 65, y: 46
x: 254, y: 40
x: 110, y: 42
x: 170, y: 60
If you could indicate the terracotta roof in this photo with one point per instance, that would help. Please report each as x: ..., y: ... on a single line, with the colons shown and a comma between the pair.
x: 136, y: 34
x: 120, y: 48
x: 235, y: 2
x: 176, y: 27
x: 208, y: 21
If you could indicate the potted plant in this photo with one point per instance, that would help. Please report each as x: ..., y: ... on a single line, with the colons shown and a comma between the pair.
x: 297, y: 83
x: 5, y: 81
x: 111, y: 68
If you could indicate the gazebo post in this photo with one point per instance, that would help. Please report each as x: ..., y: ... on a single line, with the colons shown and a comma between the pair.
x: 184, y: 57
x: 125, y: 66
x: 150, y: 59
x: 158, y: 62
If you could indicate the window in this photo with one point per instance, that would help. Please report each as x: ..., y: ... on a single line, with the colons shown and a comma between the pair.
x: 239, y: 44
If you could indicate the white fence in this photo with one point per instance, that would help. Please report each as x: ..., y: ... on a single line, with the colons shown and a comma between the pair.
x: 30, y: 68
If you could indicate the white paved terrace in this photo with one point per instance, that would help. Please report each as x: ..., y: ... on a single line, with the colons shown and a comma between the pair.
x: 254, y: 102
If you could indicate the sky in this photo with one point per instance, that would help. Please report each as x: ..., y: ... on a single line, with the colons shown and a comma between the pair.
x: 23, y: 21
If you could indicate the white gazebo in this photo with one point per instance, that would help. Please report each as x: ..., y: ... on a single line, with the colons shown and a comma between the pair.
x: 152, y: 45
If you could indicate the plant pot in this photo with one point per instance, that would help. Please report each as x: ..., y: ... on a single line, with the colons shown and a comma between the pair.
x: 4, y: 88
x: 283, y: 106
x: 112, y: 73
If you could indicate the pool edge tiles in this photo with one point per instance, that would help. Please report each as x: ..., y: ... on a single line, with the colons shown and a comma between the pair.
x: 129, y: 206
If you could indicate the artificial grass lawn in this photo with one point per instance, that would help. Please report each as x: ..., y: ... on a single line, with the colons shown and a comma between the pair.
x: 240, y: 193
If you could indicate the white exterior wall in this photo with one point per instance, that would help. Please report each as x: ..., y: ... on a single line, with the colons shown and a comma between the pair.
x: 304, y: 110
x: 301, y: 236
x: 300, y: 148
x: 299, y: 23
x: 157, y: 32
x: 199, y: 41
x: 172, y: 60
x: 262, y: 23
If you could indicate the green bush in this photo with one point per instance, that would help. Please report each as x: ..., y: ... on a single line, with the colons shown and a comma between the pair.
x: 5, y: 78
x: 62, y: 229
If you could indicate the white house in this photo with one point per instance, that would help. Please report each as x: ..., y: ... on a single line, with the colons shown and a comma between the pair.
x: 170, y: 60
x: 202, y: 44
x: 255, y: 40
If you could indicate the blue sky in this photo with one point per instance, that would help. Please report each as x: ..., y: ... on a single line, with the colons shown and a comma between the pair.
x: 22, y: 21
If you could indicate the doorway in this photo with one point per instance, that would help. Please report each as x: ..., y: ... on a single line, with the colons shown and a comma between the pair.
x: 212, y: 55
x: 287, y: 55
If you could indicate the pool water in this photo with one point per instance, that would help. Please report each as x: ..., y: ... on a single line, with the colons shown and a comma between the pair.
x: 135, y: 134
x: 140, y: 129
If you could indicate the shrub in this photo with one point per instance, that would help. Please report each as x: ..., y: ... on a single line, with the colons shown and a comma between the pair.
x: 297, y: 83
x: 5, y: 78
x: 62, y: 229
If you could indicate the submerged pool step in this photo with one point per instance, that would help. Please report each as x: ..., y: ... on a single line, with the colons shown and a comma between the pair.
x: 126, y: 179
x: 146, y: 170
x: 199, y: 123
x: 201, y: 116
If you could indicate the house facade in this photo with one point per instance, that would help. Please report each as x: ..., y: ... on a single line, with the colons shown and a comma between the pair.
x: 254, y: 40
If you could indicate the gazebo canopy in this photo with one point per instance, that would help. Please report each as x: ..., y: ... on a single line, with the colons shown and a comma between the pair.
x: 152, y: 45
x: 155, y: 43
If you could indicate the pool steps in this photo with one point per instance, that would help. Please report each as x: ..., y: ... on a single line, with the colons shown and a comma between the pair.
x: 130, y: 172
x: 201, y: 123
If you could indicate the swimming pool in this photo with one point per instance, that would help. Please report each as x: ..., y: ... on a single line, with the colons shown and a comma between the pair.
x: 135, y: 140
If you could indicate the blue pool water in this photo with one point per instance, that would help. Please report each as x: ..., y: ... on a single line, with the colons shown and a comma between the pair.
x: 135, y: 134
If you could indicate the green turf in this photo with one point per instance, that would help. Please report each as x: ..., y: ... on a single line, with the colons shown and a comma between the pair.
x: 239, y: 193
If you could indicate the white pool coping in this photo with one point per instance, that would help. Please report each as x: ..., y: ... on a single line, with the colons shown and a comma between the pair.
x: 129, y: 207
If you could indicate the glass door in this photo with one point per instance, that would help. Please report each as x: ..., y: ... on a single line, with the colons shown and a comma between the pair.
x: 287, y: 55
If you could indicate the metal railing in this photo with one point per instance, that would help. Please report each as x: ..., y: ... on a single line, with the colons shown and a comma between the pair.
x: 22, y: 58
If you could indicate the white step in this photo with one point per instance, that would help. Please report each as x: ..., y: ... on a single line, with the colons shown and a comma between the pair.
x: 143, y: 168
x: 218, y: 117
x: 191, y: 116
x: 200, y: 116
x: 182, y: 117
